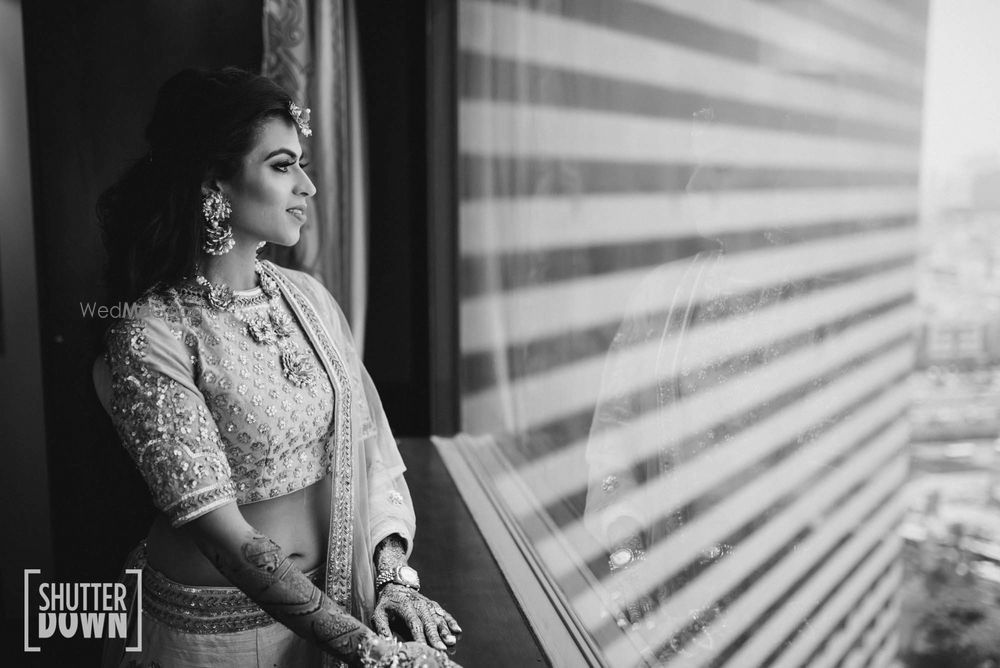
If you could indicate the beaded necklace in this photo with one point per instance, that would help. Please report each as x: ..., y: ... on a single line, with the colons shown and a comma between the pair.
x: 272, y: 329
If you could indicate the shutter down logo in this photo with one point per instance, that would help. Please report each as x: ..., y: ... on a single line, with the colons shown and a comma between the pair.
x: 95, y: 610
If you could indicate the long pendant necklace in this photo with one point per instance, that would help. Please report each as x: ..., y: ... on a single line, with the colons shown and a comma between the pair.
x: 273, y: 328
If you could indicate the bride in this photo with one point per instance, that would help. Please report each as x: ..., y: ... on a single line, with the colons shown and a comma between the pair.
x: 284, y: 522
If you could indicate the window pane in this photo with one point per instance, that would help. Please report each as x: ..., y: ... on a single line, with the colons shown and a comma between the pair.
x: 688, y: 241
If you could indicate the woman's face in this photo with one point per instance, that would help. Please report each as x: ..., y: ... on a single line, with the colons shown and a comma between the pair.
x: 270, y: 192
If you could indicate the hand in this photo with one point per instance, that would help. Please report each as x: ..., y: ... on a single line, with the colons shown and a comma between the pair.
x: 428, y: 622
x: 629, y: 607
x: 383, y: 653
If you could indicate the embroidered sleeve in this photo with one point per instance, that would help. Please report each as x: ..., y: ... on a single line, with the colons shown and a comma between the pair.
x: 163, y: 421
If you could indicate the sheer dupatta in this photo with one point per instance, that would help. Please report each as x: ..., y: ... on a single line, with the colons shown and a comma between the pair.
x: 370, y: 499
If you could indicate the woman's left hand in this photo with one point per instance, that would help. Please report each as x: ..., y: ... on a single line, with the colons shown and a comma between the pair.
x: 428, y: 622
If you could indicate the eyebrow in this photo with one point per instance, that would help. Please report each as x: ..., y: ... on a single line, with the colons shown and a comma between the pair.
x: 287, y: 151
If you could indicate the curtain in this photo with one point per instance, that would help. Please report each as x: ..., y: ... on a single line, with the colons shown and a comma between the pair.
x: 310, y: 48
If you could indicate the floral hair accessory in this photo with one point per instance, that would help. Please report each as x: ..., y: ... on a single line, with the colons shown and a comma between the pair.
x: 301, y: 117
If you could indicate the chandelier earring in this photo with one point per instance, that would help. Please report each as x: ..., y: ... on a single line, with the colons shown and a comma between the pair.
x: 216, y: 209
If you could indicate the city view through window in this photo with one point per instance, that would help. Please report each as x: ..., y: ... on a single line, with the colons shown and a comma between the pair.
x: 950, y: 612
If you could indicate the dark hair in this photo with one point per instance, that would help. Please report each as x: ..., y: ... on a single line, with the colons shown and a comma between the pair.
x: 203, y: 123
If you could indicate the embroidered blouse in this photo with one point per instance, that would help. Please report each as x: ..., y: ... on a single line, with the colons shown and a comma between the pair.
x: 207, y: 413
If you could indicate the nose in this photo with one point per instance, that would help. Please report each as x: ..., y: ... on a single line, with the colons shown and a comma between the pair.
x: 305, y: 187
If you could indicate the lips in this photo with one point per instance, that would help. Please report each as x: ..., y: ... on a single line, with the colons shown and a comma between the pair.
x: 299, y: 212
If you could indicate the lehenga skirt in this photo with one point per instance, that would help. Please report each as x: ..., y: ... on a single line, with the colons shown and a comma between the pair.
x: 184, y: 626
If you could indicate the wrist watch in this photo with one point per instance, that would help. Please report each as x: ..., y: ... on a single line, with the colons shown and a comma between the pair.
x: 624, y: 557
x: 402, y: 575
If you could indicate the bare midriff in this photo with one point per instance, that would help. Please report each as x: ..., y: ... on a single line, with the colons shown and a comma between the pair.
x: 298, y: 522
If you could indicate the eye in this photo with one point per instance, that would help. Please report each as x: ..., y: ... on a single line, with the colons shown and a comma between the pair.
x: 303, y: 163
x: 283, y: 166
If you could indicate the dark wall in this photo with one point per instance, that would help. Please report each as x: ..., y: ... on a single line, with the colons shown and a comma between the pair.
x: 393, y: 47
x: 93, y: 68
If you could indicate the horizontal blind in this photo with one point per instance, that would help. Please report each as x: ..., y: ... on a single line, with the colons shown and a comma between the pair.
x: 699, y: 218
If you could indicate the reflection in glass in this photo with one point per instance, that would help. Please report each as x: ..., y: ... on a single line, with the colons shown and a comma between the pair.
x: 687, y: 248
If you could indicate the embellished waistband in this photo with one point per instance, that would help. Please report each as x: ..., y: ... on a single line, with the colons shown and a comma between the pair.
x: 205, y: 610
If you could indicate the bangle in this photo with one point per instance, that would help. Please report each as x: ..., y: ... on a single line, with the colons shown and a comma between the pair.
x: 402, y: 575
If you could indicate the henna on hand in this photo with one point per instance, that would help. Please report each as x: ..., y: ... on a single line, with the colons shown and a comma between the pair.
x: 271, y: 579
x: 427, y: 620
x: 629, y: 606
x: 390, y: 553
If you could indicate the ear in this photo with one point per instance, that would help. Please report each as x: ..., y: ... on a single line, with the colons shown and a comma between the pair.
x: 211, y: 183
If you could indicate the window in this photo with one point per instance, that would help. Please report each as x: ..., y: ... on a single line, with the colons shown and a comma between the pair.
x: 687, y: 245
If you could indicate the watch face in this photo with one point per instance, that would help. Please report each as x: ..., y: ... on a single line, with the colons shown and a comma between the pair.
x: 408, y: 575
x: 621, y: 557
